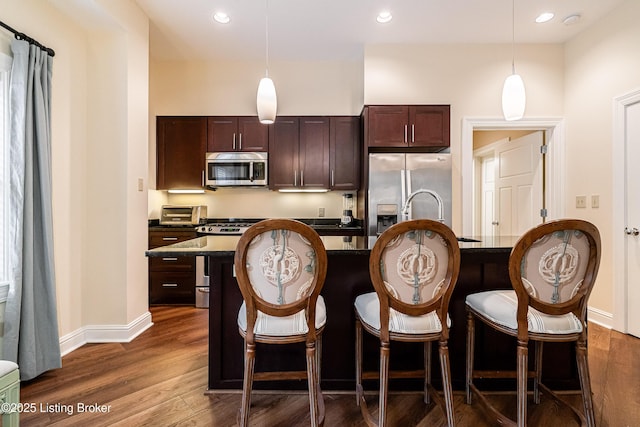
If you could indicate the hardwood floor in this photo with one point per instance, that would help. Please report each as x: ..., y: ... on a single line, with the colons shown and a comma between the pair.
x: 160, y: 379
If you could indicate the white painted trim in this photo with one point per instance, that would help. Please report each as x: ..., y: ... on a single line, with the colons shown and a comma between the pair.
x: 555, y: 138
x: 618, y: 216
x: 105, y: 333
x: 600, y: 317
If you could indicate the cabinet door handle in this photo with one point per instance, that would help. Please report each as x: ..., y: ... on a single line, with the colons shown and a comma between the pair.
x: 405, y: 134
x: 169, y: 239
x: 234, y: 141
x: 240, y: 146
x: 302, y: 178
x: 332, y: 177
x: 169, y: 285
x: 413, y: 133
x: 170, y: 259
x: 202, y: 179
x: 295, y: 178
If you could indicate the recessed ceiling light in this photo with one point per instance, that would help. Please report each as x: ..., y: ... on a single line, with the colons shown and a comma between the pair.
x: 544, y: 17
x: 384, y: 17
x: 572, y: 19
x: 221, y: 17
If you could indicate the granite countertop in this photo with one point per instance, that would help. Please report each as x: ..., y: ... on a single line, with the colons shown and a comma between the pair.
x: 330, y: 226
x: 224, y: 246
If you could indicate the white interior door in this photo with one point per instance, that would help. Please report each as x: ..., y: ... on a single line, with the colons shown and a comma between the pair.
x: 518, y: 184
x: 488, y: 196
x: 632, y: 217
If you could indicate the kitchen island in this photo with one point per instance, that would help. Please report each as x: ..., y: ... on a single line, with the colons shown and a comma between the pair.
x: 484, y: 266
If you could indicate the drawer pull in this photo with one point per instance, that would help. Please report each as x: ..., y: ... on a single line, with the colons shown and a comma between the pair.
x: 168, y: 239
x: 170, y: 259
x: 169, y: 285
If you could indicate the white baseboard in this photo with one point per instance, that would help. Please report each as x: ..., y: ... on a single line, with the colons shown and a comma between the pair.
x: 105, y: 333
x: 600, y: 317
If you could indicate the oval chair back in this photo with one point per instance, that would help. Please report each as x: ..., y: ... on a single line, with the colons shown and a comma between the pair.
x: 281, y: 265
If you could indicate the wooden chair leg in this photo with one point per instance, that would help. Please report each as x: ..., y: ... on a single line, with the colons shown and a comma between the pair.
x: 470, y: 354
x: 523, y: 370
x: 585, y: 382
x: 539, y: 345
x: 446, y: 382
x: 312, y: 380
x: 249, y: 363
x: 427, y: 371
x: 359, y: 392
x: 384, y: 384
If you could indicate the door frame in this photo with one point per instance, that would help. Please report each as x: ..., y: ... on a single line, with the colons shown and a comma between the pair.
x: 620, y: 309
x: 554, y: 173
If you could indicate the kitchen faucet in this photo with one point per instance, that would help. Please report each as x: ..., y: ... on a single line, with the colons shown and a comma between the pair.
x: 407, y: 204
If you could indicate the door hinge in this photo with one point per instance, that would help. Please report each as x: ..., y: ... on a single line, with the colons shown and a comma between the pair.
x: 543, y: 149
x: 543, y: 212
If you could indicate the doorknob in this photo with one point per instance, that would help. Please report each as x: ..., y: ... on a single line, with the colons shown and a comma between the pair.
x: 630, y: 231
x: 495, y: 223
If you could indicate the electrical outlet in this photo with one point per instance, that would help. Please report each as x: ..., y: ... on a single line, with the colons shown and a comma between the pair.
x: 320, y: 212
x: 140, y: 184
x: 595, y: 201
x: 581, y: 201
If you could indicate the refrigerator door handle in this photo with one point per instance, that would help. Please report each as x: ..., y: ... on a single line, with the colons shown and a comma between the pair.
x: 404, y: 184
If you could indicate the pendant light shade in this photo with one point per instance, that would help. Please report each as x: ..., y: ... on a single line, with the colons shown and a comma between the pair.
x: 513, y: 98
x: 513, y: 95
x: 267, y: 101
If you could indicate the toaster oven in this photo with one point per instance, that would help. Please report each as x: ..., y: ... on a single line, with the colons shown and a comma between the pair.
x: 183, y: 215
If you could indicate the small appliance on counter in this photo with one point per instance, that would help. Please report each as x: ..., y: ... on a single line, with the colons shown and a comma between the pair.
x: 174, y: 215
x: 347, y: 210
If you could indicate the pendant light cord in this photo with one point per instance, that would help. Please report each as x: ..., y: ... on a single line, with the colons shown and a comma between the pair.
x: 513, y: 36
x: 266, y: 33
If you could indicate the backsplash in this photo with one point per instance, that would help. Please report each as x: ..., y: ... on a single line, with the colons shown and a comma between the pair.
x: 254, y: 203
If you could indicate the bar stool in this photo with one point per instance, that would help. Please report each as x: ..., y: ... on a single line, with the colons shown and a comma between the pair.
x: 414, y: 267
x: 281, y: 266
x: 10, y: 392
x: 552, y: 268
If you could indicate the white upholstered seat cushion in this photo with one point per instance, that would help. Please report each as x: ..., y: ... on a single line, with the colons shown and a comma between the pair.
x: 295, y: 324
x: 7, y: 366
x: 501, y: 307
x: 368, y: 308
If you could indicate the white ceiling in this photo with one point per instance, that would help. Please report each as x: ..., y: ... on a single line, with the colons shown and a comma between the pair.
x: 339, y: 29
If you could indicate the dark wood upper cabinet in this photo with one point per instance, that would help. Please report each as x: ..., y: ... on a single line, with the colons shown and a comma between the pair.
x: 242, y: 133
x: 408, y: 126
x: 344, y: 153
x: 181, y: 145
x: 315, y: 152
x: 283, y: 153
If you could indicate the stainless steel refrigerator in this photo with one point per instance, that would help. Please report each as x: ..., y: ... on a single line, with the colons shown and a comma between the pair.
x: 393, y: 177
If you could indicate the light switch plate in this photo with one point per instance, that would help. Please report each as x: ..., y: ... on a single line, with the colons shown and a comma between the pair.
x: 581, y: 201
x: 321, y: 212
x: 595, y: 201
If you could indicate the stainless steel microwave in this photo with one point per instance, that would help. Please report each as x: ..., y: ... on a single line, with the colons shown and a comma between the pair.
x: 236, y: 169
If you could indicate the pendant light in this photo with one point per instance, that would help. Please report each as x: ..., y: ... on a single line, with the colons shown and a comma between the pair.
x: 513, y: 94
x: 266, y: 100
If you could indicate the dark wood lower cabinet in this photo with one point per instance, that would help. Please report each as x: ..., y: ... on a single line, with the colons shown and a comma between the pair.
x: 348, y: 277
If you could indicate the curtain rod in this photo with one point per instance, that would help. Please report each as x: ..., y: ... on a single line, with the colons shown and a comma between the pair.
x: 22, y: 36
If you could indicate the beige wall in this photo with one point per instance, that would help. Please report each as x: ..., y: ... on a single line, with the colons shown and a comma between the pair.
x: 100, y: 143
x: 601, y: 63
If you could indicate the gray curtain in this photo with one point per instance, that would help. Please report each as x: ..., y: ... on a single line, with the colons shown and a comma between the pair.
x: 31, y: 322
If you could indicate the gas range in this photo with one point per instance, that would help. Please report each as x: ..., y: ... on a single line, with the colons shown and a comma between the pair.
x: 229, y: 228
